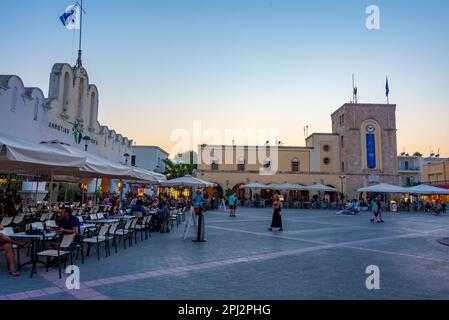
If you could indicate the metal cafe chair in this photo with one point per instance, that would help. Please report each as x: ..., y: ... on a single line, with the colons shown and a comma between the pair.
x: 63, y: 250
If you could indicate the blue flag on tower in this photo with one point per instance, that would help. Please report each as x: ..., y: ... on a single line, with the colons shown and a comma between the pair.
x: 387, y: 88
x: 70, y: 17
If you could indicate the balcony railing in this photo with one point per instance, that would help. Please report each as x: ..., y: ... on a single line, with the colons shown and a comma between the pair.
x: 403, y: 168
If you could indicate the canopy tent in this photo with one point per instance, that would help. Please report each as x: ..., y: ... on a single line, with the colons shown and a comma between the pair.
x: 384, y: 188
x: 428, y: 190
x: 254, y: 186
x: 320, y: 187
x: 20, y: 156
x: 187, y: 181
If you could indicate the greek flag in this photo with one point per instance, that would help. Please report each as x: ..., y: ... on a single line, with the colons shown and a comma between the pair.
x: 70, y: 17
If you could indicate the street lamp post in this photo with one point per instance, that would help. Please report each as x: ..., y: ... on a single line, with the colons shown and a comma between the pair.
x: 342, y: 178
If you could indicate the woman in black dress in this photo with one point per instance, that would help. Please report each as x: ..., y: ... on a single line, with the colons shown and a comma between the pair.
x: 277, y: 220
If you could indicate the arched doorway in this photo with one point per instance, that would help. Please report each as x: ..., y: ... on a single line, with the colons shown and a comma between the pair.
x: 267, y: 195
x: 215, y: 195
x: 217, y: 191
x: 240, y: 192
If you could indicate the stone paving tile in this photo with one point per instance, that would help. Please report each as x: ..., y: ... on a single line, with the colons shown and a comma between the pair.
x: 306, y: 276
x: 319, y: 256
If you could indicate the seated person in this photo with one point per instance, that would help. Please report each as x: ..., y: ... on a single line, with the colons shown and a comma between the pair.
x: 6, y: 245
x: 68, y: 223
x: 161, y: 214
x: 9, y: 210
x: 138, y: 207
x: 352, y: 208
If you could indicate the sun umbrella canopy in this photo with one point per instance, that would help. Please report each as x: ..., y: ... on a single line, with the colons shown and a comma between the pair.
x: 426, y: 189
x: 188, y: 181
x: 286, y: 186
x: 384, y: 188
x: 146, y: 176
x: 17, y: 155
x: 254, y: 186
x: 320, y: 187
x: 93, y: 166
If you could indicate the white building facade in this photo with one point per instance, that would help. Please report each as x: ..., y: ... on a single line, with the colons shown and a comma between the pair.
x: 68, y: 114
x: 150, y: 158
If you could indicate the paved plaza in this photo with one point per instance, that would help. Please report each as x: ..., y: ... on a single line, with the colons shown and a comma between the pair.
x: 320, y: 255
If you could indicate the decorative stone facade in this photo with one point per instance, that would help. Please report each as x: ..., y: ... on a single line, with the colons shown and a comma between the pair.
x: 352, y: 123
x: 70, y: 110
x: 360, y: 151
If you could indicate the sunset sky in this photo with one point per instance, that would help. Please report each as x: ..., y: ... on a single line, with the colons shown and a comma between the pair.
x: 279, y: 64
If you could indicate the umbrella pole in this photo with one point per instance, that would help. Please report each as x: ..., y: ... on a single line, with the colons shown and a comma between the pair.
x: 37, y: 187
x: 51, y: 190
x: 8, y: 186
x: 121, y: 195
x: 95, y: 191
x: 65, y: 192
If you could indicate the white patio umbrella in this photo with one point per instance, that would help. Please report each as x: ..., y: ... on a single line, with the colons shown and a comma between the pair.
x: 254, y: 186
x: 289, y: 186
x: 320, y: 187
x: 21, y: 156
x: 383, y: 188
x: 146, y: 176
x: 94, y: 166
x: 188, y: 181
x: 428, y: 190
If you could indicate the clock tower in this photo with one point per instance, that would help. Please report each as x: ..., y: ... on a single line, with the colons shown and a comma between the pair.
x: 368, y: 145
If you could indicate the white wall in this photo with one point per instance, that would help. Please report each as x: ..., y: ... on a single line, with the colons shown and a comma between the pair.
x: 26, y: 113
x: 149, y: 158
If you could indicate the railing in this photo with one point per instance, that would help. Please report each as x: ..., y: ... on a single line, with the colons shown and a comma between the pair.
x: 403, y: 168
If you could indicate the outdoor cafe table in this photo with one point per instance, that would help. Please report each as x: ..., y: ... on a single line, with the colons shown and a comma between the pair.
x: 87, y: 226
x: 34, y: 238
x: 124, y: 218
x: 105, y: 221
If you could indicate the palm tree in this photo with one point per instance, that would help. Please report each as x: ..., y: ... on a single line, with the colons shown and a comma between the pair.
x: 178, y: 168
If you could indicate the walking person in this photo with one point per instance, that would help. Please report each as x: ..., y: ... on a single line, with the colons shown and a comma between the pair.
x: 232, y: 204
x: 376, y: 205
x: 198, y: 201
x: 277, y: 219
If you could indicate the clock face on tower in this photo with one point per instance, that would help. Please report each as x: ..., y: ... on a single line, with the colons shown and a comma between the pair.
x: 370, y: 129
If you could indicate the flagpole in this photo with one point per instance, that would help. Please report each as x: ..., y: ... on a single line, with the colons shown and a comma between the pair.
x: 79, y: 62
x: 353, y: 89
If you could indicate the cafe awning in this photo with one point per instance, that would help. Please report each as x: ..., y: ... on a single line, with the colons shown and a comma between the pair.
x: 426, y: 189
x: 383, y: 188
x: 21, y: 156
x: 188, y: 181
